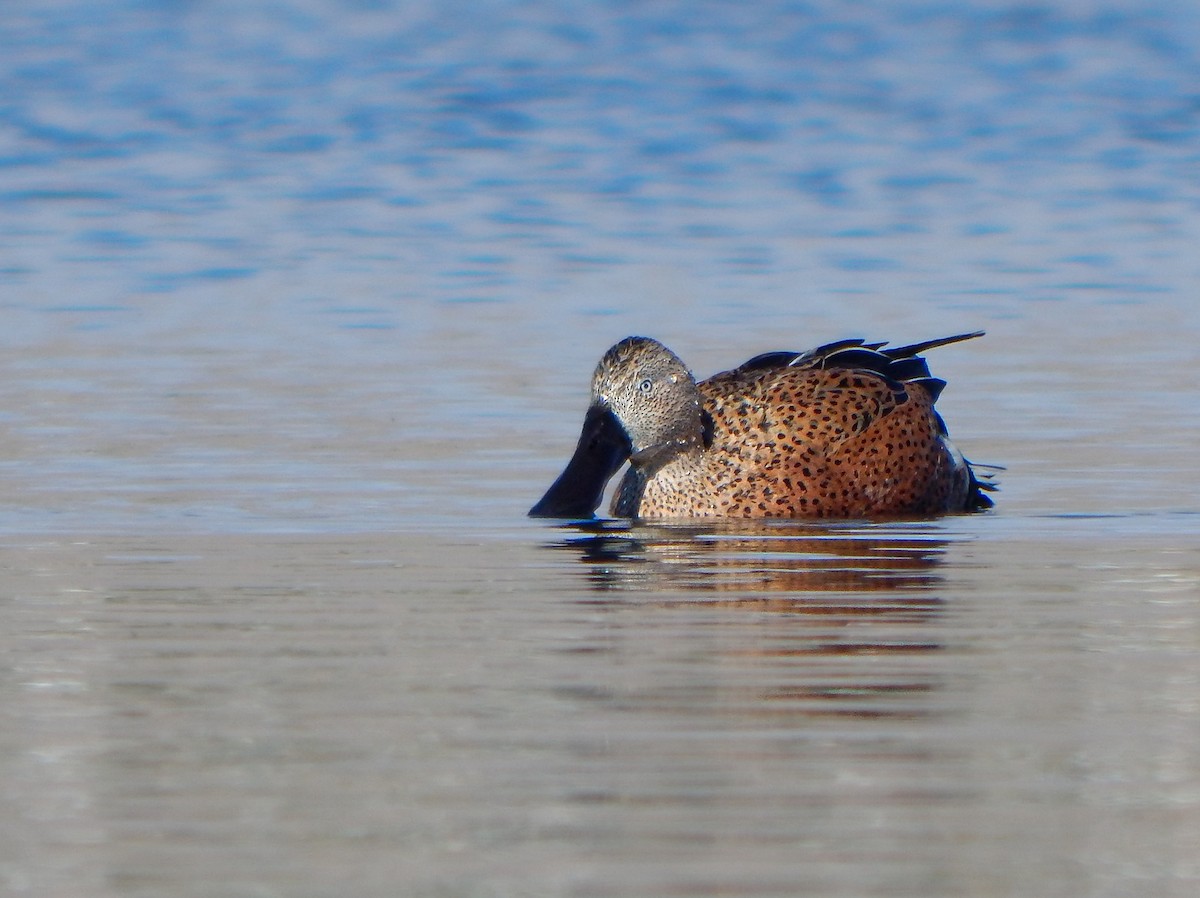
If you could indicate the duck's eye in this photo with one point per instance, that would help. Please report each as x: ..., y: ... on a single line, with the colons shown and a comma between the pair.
x: 646, y: 385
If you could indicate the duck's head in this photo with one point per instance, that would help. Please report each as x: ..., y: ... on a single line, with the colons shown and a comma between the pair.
x: 645, y: 408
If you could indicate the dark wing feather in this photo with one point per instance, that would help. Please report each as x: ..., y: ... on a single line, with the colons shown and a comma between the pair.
x: 908, y: 369
x: 908, y: 352
x: 768, y: 360
x: 903, y: 364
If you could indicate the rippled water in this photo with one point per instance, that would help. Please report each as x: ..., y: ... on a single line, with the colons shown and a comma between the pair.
x: 300, y: 304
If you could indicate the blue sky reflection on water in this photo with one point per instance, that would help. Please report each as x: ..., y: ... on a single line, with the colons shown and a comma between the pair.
x: 389, y: 190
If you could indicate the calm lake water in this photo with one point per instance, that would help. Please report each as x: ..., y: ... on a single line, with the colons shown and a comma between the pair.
x: 300, y: 302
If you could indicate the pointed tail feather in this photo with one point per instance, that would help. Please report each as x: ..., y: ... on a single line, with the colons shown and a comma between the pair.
x: 905, y: 352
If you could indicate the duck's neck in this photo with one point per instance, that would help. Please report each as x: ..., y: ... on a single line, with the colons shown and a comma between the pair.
x: 687, y: 440
x: 654, y: 457
x: 684, y: 433
x: 673, y: 469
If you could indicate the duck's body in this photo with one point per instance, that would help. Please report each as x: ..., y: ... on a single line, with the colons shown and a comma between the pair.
x: 847, y: 430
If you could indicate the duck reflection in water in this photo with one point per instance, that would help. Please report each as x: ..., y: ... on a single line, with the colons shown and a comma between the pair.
x: 797, y: 619
x: 751, y: 557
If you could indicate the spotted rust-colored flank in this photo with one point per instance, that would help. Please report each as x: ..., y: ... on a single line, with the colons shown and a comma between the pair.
x: 847, y: 430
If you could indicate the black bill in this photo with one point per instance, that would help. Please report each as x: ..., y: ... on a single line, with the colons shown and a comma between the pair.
x: 603, y: 447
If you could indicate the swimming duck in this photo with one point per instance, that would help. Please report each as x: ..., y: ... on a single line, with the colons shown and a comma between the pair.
x: 846, y: 430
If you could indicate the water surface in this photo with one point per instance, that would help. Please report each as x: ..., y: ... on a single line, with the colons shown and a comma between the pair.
x: 300, y: 304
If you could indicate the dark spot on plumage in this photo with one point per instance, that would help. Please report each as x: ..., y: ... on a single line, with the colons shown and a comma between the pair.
x: 707, y: 428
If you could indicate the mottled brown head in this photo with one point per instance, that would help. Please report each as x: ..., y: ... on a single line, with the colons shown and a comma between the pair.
x: 652, y: 394
x: 645, y: 408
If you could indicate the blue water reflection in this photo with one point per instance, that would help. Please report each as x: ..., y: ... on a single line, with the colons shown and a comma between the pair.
x: 469, y: 189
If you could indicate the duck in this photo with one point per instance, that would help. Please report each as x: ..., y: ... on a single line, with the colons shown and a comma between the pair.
x: 847, y: 430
